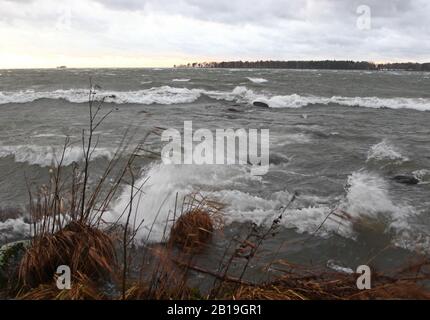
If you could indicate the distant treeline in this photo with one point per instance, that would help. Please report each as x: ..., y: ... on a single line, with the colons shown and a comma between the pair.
x: 326, y: 64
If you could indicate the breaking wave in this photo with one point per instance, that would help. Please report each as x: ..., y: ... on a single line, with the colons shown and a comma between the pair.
x: 181, y: 80
x: 156, y: 95
x: 423, y: 175
x: 242, y: 94
x: 367, y: 196
x: 13, y: 228
x: 257, y: 80
x: 45, y: 156
x: 171, y: 95
x: 385, y: 151
x: 160, y: 183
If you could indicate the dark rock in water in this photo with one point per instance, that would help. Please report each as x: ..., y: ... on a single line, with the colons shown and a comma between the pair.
x: 406, y: 179
x: 112, y: 96
x: 260, y: 104
x: 10, y: 257
x: 233, y: 110
x: 277, y: 158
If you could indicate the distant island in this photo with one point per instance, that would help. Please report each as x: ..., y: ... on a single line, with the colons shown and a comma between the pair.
x: 323, y: 64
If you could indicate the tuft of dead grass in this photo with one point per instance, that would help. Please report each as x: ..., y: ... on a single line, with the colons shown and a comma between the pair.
x: 194, y: 228
x: 84, y: 249
x: 82, y: 288
x: 192, y: 231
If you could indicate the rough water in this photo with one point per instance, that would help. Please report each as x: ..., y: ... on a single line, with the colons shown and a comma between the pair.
x: 337, y: 138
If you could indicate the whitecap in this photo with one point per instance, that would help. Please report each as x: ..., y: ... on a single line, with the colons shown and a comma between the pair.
x: 385, y: 151
x: 48, y: 135
x: 422, y: 174
x: 13, y: 228
x: 337, y: 267
x: 257, y: 80
x: 158, y: 95
x: 181, y: 80
x: 289, y: 138
x: 172, y: 95
x: 367, y: 196
x: 46, y: 156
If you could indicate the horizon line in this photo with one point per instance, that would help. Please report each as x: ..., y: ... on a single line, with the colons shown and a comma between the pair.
x: 182, y: 64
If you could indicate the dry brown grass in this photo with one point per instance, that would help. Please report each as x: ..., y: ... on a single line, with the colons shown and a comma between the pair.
x: 139, y: 291
x: 334, y: 289
x: 84, y: 249
x: 161, y: 278
x: 192, y: 231
x: 194, y: 228
x: 82, y: 288
x: 327, y: 285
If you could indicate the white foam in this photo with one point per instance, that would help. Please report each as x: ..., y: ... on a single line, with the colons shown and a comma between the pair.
x: 159, y: 192
x: 420, y: 104
x: 48, y: 135
x: 422, y: 174
x: 171, y: 95
x: 243, y: 94
x: 159, y: 95
x: 46, y: 156
x: 367, y: 195
x: 335, y: 266
x: 13, y: 228
x: 181, y: 80
x: 385, y: 151
x: 257, y: 80
x: 222, y: 183
x: 289, y: 138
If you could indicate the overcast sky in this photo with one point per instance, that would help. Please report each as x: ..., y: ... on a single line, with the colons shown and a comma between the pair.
x: 127, y: 33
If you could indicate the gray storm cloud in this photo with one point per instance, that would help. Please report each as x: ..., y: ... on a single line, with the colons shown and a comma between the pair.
x: 223, y: 29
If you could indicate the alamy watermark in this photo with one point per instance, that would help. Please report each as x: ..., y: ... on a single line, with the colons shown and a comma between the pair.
x: 364, y: 20
x: 224, y: 146
x: 364, y: 281
x: 64, y: 20
x: 63, y: 278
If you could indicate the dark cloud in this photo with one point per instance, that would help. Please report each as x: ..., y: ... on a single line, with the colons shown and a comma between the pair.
x: 249, y: 10
x: 239, y: 11
x: 226, y: 29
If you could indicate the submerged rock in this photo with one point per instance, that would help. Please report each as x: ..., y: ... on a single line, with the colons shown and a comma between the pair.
x: 260, y: 104
x: 411, y: 180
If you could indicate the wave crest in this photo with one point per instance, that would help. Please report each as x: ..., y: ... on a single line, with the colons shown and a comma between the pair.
x: 171, y: 95
x: 45, y: 156
x: 385, y: 151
